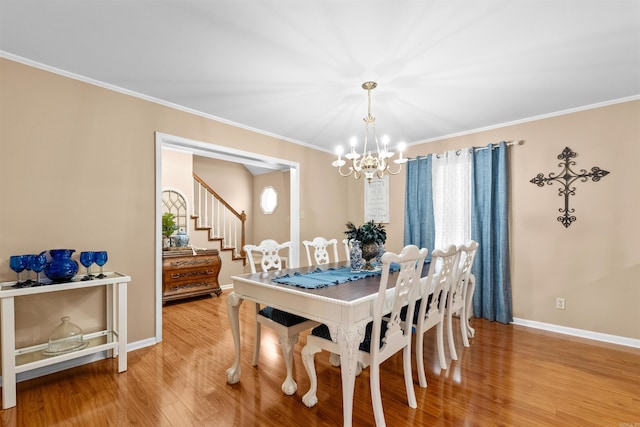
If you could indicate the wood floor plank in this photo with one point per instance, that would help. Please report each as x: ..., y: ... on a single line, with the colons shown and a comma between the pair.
x: 509, y: 376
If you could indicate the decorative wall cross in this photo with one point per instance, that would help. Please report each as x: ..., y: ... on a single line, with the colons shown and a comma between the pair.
x: 569, y: 177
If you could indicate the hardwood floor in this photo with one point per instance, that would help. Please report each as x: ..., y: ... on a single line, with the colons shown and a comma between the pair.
x: 510, y: 376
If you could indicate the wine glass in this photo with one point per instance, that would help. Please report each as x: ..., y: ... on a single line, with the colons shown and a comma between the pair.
x: 18, y: 263
x: 38, y: 262
x: 29, y: 261
x: 87, y: 258
x: 101, y: 259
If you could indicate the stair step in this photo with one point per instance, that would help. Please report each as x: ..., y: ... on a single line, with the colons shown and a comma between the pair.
x: 221, y: 243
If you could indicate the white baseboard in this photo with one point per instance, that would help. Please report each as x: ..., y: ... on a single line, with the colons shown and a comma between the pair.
x: 597, y: 336
x: 141, y: 344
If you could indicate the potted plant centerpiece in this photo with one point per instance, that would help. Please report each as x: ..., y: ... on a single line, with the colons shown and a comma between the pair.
x: 371, y: 236
x: 169, y: 226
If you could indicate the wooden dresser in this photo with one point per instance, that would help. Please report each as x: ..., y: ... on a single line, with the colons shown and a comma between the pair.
x: 186, y: 275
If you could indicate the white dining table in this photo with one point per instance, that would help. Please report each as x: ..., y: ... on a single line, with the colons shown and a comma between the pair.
x: 345, y: 308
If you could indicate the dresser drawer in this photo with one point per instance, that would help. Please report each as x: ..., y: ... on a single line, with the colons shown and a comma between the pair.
x: 190, y: 262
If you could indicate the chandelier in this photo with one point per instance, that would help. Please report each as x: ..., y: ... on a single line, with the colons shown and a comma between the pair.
x: 369, y: 164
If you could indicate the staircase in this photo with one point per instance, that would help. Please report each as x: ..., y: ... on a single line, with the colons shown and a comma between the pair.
x: 222, y: 222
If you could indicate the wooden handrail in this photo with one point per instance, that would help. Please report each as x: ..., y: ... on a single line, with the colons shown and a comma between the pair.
x: 242, y: 216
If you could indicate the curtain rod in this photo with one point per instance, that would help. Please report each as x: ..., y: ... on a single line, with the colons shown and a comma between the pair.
x: 509, y: 143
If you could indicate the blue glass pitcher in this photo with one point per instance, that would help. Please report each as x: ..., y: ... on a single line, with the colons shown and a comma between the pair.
x: 60, y: 268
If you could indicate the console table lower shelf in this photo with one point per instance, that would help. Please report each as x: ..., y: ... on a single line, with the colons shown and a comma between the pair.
x: 113, y: 339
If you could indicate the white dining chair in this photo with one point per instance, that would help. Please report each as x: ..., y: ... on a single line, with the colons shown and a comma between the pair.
x: 458, y: 296
x: 287, y: 325
x: 320, y: 248
x: 347, y: 248
x: 383, y: 338
x: 321, y: 256
x: 471, y: 288
x: 431, y: 305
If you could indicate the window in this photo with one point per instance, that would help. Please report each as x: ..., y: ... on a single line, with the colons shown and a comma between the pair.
x: 268, y: 200
x: 174, y: 202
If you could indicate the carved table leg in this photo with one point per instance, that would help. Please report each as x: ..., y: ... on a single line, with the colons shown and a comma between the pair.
x: 289, y: 385
x: 233, y: 308
x: 349, y: 340
x: 308, y: 354
x: 334, y: 360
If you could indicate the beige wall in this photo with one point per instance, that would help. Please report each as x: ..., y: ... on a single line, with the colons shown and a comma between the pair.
x: 594, y: 263
x: 90, y: 157
x: 275, y: 225
x: 77, y: 164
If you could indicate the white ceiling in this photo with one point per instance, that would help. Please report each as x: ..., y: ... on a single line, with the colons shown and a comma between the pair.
x: 294, y: 68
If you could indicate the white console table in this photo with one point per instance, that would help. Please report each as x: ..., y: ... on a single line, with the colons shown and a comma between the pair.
x: 113, y: 339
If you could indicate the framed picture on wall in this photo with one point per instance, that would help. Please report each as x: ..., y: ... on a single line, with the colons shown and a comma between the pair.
x: 376, y: 199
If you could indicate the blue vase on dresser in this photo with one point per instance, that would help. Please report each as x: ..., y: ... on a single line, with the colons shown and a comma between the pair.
x: 181, y: 238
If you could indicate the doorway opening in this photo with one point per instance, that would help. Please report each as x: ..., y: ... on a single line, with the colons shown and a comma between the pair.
x: 251, y: 160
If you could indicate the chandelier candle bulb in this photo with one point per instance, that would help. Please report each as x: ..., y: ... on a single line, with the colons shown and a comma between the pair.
x: 385, y: 144
x: 352, y: 155
x: 400, y: 159
x: 339, y: 162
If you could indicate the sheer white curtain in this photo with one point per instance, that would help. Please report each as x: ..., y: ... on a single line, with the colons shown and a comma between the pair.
x: 451, y: 175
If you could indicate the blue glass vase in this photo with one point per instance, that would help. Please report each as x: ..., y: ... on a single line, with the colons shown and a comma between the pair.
x: 61, y: 268
x: 355, y: 256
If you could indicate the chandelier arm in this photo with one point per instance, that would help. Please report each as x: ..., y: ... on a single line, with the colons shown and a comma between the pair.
x: 390, y: 172
x: 345, y: 174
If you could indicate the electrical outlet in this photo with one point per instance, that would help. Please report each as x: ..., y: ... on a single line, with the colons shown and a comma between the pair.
x: 560, y: 303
